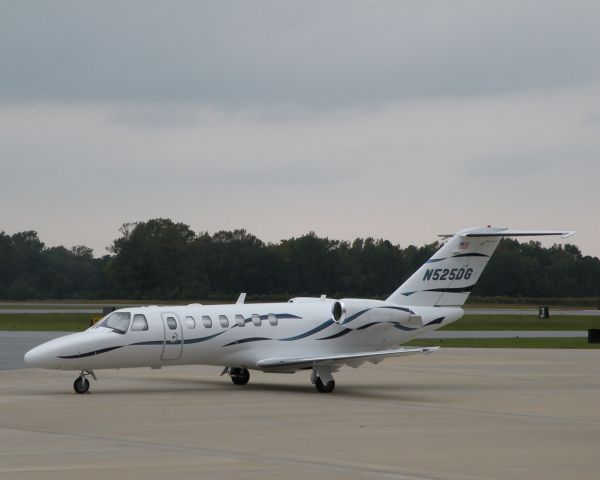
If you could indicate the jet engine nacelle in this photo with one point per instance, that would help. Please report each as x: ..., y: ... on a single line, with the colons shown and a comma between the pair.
x: 355, y: 313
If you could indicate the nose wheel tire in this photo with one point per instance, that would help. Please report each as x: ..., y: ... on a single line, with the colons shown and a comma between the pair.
x: 324, y: 387
x: 239, y: 376
x: 81, y: 385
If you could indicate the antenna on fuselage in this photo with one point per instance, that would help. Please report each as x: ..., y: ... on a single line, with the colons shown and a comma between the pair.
x: 241, y: 299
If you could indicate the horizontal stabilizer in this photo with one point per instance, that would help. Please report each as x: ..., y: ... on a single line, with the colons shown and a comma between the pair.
x: 336, y: 360
x: 506, y: 232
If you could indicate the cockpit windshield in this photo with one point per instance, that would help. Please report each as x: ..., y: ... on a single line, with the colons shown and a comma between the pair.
x: 117, y: 321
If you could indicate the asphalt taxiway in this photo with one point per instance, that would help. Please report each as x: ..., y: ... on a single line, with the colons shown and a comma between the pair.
x: 454, y: 414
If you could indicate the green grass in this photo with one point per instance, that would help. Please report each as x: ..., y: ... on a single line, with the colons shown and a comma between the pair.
x: 61, y: 322
x: 506, y: 343
x: 524, y: 322
x: 534, y: 302
x: 50, y: 307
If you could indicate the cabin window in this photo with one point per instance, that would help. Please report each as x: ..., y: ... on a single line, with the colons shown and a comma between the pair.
x: 273, y: 319
x: 117, y: 321
x: 239, y: 319
x: 206, y: 321
x: 172, y: 323
x: 139, y: 323
x: 256, y: 320
x: 224, y: 321
x: 190, y: 322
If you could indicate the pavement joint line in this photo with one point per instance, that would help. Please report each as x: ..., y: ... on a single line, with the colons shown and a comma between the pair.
x: 286, y: 460
x: 482, y: 412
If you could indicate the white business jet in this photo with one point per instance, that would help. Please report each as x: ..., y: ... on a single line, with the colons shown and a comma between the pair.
x: 316, y: 334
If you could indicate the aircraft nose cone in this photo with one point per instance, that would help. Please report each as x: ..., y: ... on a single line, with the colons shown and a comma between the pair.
x: 54, y: 353
x: 37, y: 357
x: 31, y: 357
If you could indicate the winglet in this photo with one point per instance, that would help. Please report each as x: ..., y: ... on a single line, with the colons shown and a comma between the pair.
x: 241, y: 299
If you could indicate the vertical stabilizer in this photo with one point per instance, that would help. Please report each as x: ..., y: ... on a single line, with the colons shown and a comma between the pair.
x: 448, y: 277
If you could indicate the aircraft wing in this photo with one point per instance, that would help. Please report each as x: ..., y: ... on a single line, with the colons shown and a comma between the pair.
x: 354, y: 360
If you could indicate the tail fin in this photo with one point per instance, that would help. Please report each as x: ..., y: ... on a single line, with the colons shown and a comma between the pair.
x: 448, y: 277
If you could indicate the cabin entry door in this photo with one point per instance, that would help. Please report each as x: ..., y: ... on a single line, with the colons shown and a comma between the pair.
x: 173, y: 344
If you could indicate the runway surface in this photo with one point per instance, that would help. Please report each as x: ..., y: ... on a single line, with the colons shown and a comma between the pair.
x: 454, y: 414
x: 13, y: 346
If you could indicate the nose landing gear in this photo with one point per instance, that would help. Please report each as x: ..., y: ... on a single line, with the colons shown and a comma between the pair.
x: 82, y: 384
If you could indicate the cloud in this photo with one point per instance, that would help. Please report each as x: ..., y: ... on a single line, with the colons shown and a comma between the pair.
x: 313, y: 53
x: 404, y: 171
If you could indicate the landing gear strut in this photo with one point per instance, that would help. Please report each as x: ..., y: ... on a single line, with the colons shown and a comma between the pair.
x: 82, y: 384
x: 322, y: 379
x: 239, y: 376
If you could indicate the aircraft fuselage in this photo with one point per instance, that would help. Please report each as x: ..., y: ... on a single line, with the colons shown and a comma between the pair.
x: 239, y: 334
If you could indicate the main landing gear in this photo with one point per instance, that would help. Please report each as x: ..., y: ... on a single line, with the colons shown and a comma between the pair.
x: 322, y: 380
x: 82, y: 384
x: 321, y: 377
x: 239, y: 376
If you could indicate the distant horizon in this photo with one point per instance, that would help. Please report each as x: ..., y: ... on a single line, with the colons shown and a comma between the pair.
x: 546, y: 242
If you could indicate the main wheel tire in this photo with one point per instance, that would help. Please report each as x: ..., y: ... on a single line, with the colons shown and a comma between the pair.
x: 321, y: 387
x: 240, y: 376
x: 81, y: 385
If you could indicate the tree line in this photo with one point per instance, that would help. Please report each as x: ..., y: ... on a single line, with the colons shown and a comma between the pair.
x: 164, y: 260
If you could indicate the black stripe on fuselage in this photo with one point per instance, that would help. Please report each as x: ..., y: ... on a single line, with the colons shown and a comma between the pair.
x: 318, y: 328
x: 364, y: 327
x: 404, y: 327
x: 337, y: 335
x: 90, y: 354
x: 355, y: 316
x: 203, y: 339
x: 436, y: 321
x: 247, y: 340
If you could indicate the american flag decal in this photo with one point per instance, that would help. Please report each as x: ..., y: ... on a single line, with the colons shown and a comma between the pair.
x: 463, y: 245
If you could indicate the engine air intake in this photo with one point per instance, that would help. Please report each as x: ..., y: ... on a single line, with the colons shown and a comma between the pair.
x: 338, y: 311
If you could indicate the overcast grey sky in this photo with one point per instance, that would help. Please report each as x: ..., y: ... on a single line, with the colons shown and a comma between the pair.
x: 399, y: 119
